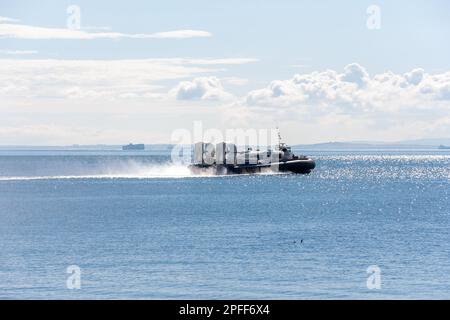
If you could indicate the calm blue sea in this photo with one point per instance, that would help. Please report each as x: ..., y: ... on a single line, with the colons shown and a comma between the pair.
x: 139, y: 227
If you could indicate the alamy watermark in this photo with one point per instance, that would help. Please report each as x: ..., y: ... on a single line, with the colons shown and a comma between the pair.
x: 73, y: 21
x: 249, y: 139
x: 374, y: 278
x: 373, y: 21
x: 73, y: 281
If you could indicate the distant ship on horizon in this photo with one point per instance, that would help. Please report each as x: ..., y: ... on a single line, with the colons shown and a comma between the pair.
x: 444, y: 147
x: 131, y: 146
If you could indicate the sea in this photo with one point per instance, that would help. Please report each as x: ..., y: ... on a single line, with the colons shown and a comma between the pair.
x: 110, y: 224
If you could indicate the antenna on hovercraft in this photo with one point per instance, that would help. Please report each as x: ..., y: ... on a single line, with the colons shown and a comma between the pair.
x: 281, y: 144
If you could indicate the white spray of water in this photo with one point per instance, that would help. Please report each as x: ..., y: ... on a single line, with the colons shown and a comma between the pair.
x: 133, y: 169
x: 126, y: 170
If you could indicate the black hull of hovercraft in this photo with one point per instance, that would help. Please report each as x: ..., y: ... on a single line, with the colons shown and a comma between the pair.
x: 302, y: 166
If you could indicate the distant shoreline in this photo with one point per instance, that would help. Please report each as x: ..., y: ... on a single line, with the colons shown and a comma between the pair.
x: 318, y: 146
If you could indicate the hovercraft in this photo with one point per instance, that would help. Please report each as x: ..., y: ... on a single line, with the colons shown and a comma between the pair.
x: 223, y: 158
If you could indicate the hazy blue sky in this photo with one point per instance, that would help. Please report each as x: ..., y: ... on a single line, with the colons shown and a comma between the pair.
x: 137, y: 70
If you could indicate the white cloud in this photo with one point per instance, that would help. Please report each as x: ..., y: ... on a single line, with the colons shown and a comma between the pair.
x: 96, y: 28
x: 17, y: 52
x: 415, y: 76
x: 106, y: 79
x: 345, y: 105
x: 201, y: 88
x: 355, y: 92
x: 299, y: 66
x: 22, y: 31
x: 352, y: 105
x: 51, y: 134
x: 210, y: 61
x: 6, y: 19
x: 356, y: 74
x: 235, y: 81
x: 179, y: 34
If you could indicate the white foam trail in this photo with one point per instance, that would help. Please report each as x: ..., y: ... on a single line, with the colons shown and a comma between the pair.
x: 129, y: 176
x: 99, y: 177
x: 131, y: 170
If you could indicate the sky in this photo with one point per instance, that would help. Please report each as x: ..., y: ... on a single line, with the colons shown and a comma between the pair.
x: 113, y: 72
